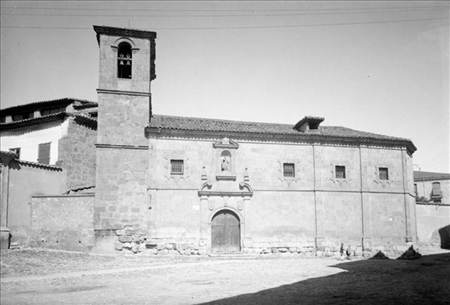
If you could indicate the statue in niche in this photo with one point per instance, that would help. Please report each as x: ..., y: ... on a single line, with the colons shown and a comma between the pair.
x: 225, y: 165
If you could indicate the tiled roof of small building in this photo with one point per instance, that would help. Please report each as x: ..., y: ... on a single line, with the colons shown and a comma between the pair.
x: 8, y: 154
x: 30, y: 121
x: 202, y: 124
x: 13, y: 156
x: 426, y: 176
x: 47, y: 118
x: 40, y: 165
x: 66, y: 100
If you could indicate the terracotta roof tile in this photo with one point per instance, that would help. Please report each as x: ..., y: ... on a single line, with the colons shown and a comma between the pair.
x: 202, y: 124
x: 46, y: 118
x: 66, y: 100
x: 426, y: 176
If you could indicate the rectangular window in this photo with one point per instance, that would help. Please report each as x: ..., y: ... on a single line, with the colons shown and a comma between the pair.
x: 340, y: 172
x: 415, y: 190
x: 383, y: 173
x: 15, y: 151
x: 289, y: 170
x: 176, y: 167
x: 44, y: 153
x: 436, y: 191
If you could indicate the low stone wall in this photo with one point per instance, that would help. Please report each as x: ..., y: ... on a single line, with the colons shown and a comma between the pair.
x: 63, y: 222
x: 130, y: 240
x: 433, y: 225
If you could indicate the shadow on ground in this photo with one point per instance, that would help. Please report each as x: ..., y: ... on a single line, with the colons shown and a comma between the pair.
x: 374, y: 281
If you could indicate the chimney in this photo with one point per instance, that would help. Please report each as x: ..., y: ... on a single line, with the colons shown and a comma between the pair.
x: 309, y: 124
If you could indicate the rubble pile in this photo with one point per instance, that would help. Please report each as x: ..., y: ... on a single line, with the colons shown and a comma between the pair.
x: 410, y: 254
x: 379, y: 255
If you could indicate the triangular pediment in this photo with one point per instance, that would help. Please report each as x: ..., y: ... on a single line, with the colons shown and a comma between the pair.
x: 226, y: 143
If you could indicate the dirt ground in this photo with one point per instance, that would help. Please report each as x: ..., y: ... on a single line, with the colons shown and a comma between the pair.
x: 58, y: 277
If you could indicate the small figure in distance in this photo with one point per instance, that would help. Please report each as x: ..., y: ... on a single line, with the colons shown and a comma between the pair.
x: 348, y: 252
x: 345, y: 253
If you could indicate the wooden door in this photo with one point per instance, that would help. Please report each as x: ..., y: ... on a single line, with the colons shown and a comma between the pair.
x: 225, y: 232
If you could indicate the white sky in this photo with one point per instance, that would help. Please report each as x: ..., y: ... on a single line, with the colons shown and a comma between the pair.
x: 358, y: 64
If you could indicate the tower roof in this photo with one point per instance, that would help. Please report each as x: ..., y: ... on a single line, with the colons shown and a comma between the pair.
x: 112, y: 31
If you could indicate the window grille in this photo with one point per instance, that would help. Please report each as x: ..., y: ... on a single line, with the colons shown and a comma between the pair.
x: 176, y: 167
x: 383, y: 173
x: 289, y: 170
x: 340, y: 172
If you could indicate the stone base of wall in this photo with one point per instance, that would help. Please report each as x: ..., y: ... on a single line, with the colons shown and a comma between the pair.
x: 129, y: 240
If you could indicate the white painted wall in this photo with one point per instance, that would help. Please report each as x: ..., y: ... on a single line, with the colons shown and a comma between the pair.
x: 29, y: 138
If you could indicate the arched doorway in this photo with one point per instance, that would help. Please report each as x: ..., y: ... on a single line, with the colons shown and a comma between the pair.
x: 225, y: 232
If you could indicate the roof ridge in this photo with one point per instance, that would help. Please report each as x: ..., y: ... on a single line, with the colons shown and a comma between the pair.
x: 51, y: 101
x: 221, y: 120
x: 36, y: 118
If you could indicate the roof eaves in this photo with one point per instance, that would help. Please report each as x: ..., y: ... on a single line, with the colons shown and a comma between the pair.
x: 32, y: 121
x: 427, y: 176
x: 65, y: 100
x: 40, y: 165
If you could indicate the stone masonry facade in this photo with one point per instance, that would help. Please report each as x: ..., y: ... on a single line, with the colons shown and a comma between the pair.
x: 192, y: 186
x: 77, y: 154
x: 63, y: 222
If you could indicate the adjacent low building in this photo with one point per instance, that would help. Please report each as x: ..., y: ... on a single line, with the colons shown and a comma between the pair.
x: 432, y: 192
x: 47, y: 148
x: 58, y: 132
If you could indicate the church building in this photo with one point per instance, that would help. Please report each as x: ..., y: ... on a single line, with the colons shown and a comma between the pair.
x: 197, y: 185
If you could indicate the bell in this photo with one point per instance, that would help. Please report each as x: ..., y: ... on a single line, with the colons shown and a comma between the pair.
x: 128, y: 63
x: 121, y: 63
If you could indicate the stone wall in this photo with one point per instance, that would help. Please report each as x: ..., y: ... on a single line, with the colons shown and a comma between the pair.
x: 77, y: 154
x: 122, y: 199
x: 433, y: 225
x: 63, y: 222
x: 39, y: 180
x: 313, y: 210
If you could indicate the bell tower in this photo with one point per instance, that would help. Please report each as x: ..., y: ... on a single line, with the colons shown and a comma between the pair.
x: 127, y: 68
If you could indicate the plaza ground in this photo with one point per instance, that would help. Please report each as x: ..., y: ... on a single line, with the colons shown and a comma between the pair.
x: 57, y: 277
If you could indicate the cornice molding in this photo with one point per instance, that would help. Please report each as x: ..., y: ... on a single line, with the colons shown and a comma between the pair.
x: 113, y: 31
x: 224, y: 193
x: 115, y: 146
x: 121, y: 92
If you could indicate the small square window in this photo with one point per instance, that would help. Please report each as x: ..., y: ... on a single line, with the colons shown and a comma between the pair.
x: 176, y: 167
x: 289, y: 170
x: 15, y: 151
x: 383, y: 173
x: 340, y: 172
